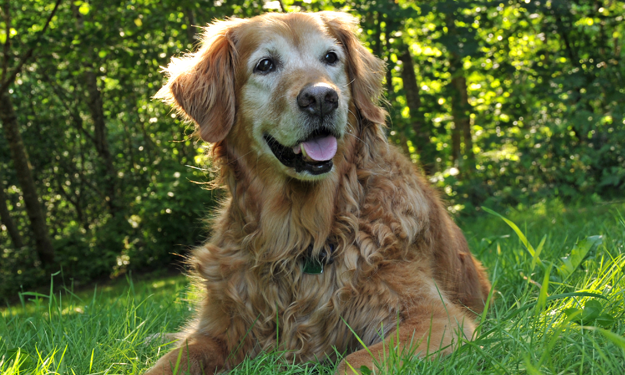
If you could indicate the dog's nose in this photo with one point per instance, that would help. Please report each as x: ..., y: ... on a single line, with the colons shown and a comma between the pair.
x: 318, y: 99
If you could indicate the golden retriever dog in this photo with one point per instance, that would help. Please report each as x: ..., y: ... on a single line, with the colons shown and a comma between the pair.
x: 329, y: 236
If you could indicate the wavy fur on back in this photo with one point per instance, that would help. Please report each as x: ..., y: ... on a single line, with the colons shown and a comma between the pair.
x: 399, y: 260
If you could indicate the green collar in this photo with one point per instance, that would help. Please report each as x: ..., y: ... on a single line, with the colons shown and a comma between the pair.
x: 314, y: 265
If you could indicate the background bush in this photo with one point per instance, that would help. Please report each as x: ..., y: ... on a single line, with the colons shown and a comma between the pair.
x: 508, y: 104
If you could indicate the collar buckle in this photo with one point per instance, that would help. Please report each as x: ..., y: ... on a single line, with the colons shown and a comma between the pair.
x: 315, y: 265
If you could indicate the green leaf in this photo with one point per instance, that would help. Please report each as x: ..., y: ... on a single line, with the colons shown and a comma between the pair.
x: 591, y: 315
x: 84, y: 8
x: 581, y: 250
x: 592, y: 310
x: 572, y: 312
x: 605, y: 321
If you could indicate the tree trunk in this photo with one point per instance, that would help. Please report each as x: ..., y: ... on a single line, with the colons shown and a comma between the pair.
x: 455, y: 145
x: 462, y: 121
x: 43, y: 245
x: 390, y: 90
x: 389, y: 63
x: 562, y: 30
x: 413, y: 99
x: 460, y: 108
x: 376, y: 44
x: 191, y: 29
x: 5, y: 218
x: 94, y: 102
x: 467, y: 135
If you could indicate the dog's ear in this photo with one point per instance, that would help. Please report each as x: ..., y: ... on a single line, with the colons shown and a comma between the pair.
x: 364, y: 69
x: 201, y: 84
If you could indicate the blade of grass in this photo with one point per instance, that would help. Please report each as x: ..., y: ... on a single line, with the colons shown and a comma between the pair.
x: 536, y: 257
x: 551, y: 298
x: 91, y: 360
x: 542, y: 296
x: 487, y: 304
x: 519, y: 233
x: 617, y: 340
x: 175, y: 372
x: 358, y: 338
x: 530, y: 368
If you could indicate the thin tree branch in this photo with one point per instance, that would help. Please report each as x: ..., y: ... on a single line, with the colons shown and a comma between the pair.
x: 7, y: 43
x: 29, y: 53
x: 72, y: 112
x: 282, y: 9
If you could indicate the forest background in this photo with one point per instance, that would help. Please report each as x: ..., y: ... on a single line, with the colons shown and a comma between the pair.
x: 503, y: 104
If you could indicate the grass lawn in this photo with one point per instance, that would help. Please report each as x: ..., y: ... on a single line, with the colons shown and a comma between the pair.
x: 559, y: 308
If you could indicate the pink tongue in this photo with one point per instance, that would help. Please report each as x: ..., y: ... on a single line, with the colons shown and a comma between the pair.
x: 321, y: 149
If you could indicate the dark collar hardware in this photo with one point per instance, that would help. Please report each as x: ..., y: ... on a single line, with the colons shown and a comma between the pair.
x: 314, y: 265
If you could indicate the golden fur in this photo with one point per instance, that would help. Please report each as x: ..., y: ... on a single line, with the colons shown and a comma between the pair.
x: 400, y: 261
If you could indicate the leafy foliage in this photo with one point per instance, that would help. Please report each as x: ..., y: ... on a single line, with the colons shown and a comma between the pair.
x: 540, y: 83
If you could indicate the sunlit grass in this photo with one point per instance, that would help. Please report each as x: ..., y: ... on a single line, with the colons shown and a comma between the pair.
x: 101, y: 331
x: 553, y: 312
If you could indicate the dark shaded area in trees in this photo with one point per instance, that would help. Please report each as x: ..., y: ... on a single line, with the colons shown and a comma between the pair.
x: 502, y: 103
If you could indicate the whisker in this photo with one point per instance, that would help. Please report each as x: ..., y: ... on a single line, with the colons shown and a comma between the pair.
x: 358, y: 138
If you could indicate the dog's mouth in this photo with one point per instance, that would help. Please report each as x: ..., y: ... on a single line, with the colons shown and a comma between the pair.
x: 313, y: 154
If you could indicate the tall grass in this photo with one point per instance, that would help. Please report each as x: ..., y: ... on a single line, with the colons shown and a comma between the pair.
x: 97, y: 332
x: 558, y: 309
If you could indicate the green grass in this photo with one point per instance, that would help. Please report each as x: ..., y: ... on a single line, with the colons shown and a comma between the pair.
x: 558, y: 309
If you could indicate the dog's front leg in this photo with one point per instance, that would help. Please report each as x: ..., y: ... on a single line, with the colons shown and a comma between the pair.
x: 429, y: 328
x: 198, y: 355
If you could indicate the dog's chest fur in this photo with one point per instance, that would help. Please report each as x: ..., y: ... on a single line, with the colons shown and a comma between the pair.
x: 258, y: 296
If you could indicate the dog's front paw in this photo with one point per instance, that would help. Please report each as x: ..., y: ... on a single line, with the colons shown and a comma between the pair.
x: 157, y: 371
x: 355, y: 366
x: 197, y: 355
x: 343, y: 369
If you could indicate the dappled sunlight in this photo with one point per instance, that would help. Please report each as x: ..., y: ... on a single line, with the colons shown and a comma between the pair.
x: 92, y: 331
x: 110, y: 294
x: 514, y: 111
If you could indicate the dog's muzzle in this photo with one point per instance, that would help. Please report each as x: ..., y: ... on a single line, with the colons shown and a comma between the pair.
x: 313, y: 154
x: 318, y: 103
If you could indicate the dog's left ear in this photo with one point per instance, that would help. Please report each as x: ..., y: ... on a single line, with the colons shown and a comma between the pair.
x: 365, y: 71
x: 201, y: 84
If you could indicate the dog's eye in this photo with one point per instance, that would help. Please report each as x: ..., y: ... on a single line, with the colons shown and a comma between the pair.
x: 331, y: 58
x: 264, y: 66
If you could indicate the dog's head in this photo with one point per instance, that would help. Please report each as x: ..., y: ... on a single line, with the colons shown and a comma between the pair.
x: 286, y: 87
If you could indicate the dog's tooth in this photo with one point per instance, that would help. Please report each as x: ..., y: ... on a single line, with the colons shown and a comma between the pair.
x: 297, y: 149
x: 305, y: 156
